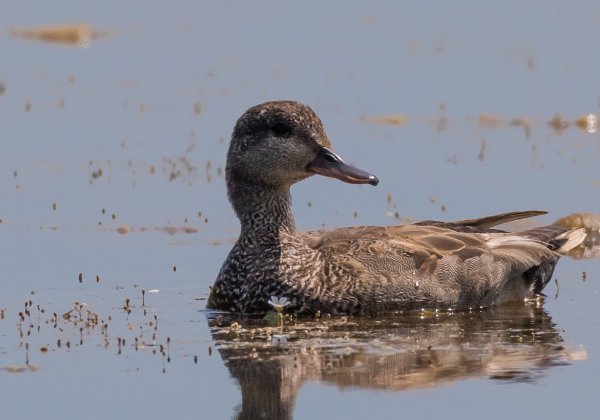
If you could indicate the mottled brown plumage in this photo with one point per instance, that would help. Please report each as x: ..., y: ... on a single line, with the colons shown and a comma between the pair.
x: 359, y: 269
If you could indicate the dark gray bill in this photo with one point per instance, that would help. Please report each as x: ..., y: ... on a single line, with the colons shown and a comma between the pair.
x: 329, y: 164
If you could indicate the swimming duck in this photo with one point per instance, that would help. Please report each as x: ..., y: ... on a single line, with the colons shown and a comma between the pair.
x: 359, y: 270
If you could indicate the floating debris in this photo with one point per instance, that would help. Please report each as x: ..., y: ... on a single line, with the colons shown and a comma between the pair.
x: 181, y: 168
x: 530, y: 62
x: 588, y: 123
x: 558, y: 124
x: 81, y: 314
x: 78, y: 34
x: 392, y: 119
x: 171, y: 230
x: 524, y: 123
x: 197, y: 108
x: 490, y: 121
x: 482, y: 150
x: 97, y: 174
x: 208, y: 166
x: 441, y: 124
x: 123, y: 230
x: 19, y: 369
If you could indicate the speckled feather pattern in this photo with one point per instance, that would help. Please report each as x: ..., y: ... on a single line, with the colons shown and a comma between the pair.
x: 358, y: 270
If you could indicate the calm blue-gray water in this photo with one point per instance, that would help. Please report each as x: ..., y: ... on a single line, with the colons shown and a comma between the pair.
x: 114, y: 219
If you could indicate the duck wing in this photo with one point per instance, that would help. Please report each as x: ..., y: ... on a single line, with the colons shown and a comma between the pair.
x: 427, y: 244
x: 319, y: 239
x: 460, y: 263
x: 484, y: 224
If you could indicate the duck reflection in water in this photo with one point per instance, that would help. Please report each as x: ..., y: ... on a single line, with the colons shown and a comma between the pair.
x: 271, y: 361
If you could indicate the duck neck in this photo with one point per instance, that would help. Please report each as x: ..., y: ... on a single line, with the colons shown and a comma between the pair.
x: 264, y: 211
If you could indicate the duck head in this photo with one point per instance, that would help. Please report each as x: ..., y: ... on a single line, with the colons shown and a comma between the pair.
x: 276, y: 144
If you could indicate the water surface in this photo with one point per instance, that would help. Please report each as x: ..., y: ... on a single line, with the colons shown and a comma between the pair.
x: 111, y: 167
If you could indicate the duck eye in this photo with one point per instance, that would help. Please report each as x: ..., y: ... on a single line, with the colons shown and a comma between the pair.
x: 328, y: 156
x: 281, y: 129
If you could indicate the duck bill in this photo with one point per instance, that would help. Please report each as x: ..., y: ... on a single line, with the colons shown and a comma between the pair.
x: 329, y: 164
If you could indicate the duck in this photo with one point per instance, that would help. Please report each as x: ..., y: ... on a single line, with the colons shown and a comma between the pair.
x: 360, y: 270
